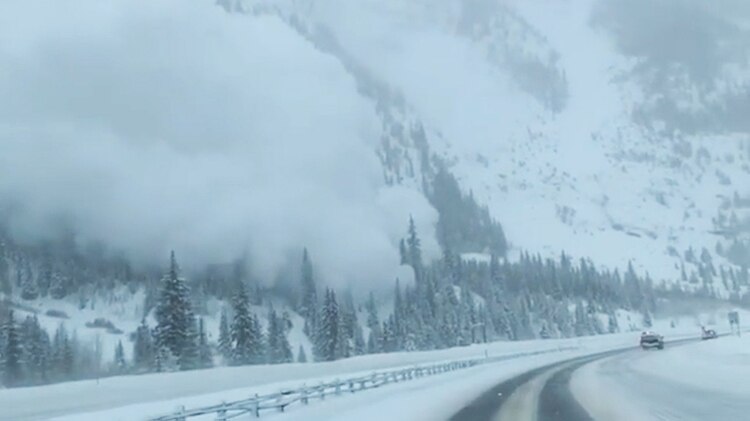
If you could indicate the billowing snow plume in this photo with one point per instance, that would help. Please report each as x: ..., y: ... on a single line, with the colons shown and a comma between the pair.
x: 155, y: 125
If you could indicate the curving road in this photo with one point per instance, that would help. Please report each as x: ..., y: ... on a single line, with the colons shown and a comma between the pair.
x: 604, y: 387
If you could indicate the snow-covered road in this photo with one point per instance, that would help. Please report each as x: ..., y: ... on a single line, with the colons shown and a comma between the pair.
x: 700, y: 381
x: 689, y: 380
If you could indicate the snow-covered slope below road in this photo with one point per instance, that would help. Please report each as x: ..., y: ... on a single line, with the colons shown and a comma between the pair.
x: 579, y: 134
x: 155, y: 394
x: 150, y: 395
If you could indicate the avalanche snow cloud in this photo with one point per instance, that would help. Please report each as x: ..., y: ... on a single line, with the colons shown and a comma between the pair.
x: 172, y: 124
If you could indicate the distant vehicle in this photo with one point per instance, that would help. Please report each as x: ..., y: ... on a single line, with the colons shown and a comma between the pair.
x: 650, y: 340
x: 708, y: 334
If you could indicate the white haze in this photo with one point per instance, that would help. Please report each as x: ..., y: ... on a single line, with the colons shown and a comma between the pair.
x: 157, y: 125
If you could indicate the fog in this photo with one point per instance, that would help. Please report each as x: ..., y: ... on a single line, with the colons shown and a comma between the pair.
x: 150, y: 126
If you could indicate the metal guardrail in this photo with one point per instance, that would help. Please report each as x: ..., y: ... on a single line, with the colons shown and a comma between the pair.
x: 303, y: 394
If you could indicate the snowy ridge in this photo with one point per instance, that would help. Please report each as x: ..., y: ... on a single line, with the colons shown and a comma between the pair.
x: 543, y: 114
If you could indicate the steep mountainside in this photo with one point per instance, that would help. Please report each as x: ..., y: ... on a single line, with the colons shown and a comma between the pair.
x: 609, y: 131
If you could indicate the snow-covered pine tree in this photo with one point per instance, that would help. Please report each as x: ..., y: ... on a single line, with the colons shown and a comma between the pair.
x: 612, y: 324
x: 143, y: 348
x: 120, y: 363
x: 402, y: 252
x: 301, y: 355
x: 544, y: 332
x: 326, y: 339
x: 647, y: 321
x: 205, y: 359
x: 581, y: 324
x: 414, y: 250
x: 29, y: 287
x: 175, y: 328
x: 225, y: 337
x: 258, y: 345
x: 36, y: 350
x: 247, y: 338
x: 360, y: 347
x: 12, y: 363
x: 189, y: 358
x: 241, y: 329
x: 279, y: 350
x: 374, y: 337
x: 309, y: 300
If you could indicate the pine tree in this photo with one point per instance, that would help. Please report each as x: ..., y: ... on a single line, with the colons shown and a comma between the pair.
x: 189, y: 358
x: 36, y: 350
x: 327, y: 340
x: 175, y: 329
x: 225, y: 337
x: 247, y: 339
x: 612, y: 324
x: 544, y: 332
x: 205, y: 359
x: 120, y: 364
x: 301, y: 355
x: 309, y: 299
x: 374, y: 337
x: 29, y: 287
x: 414, y: 250
x: 12, y: 363
x: 360, y: 348
x: 581, y: 326
x: 279, y: 350
x: 143, y: 348
x: 647, y: 321
x: 373, y: 342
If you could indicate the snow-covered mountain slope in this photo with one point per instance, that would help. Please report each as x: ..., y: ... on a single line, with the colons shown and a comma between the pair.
x: 606, y: 130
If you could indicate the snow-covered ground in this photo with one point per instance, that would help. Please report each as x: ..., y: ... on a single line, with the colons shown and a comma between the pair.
x: 700, y: 381
x: 155, y: 394
x: 136, y: 397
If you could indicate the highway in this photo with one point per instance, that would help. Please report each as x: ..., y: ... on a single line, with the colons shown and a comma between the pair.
x: 605, y: 388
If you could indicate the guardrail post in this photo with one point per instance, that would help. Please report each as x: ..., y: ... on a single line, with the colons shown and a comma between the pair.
x: 222, y: 413
x: 303, y: 392
x: 351, y: 386
x: 338, y: 387
x: 256, y: 406
x: 322, y: 391
x: 180, y: 411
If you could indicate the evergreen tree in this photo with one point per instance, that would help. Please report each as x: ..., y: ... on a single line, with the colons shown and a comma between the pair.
x: 225, y: 337
x: 189, y: 358
x: 647, y: 321
x: 327, y: 338
x: 120, y: 364
x: 247, y: 338
x: 175, y: 328
x: 12, y: 363
x: 414, y: 250
x: 581, y: 326
x: 612, y: 324
x: 279, y: 350
x: 301, y: 355
x: 360, y: 348
x: 143, y: 348
x: 37, y: 350
x: 29, y: 287
x: 309, y: 300
x: 205, y: 359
